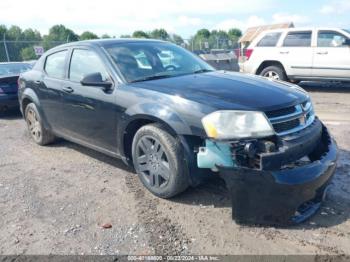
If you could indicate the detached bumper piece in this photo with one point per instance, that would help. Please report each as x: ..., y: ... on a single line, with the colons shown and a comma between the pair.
x: 287, y: 195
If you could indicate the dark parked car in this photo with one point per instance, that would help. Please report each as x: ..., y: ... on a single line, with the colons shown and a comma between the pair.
x: 178, y: 125
x: 9, y: 73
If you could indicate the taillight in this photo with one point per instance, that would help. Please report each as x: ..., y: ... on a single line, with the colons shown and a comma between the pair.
x: 248, y: 53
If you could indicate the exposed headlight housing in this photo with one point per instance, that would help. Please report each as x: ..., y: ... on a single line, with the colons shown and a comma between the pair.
x: 232, y: 124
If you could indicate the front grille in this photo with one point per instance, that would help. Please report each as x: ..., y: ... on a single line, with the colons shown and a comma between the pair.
x: 291, y: 119
x: 285, y: 126
x: 280, y: 112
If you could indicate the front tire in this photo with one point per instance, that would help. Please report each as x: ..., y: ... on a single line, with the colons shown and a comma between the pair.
x: 274, y: 72
x: 39, y: 134
x: 158, y: 159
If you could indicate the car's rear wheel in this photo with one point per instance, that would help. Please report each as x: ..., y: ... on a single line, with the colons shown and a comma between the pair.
x: 159, y: 161
x: 274, y: 72
x: 38, y: 133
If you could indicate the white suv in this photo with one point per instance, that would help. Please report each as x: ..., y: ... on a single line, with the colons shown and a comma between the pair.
x: 300, y: 54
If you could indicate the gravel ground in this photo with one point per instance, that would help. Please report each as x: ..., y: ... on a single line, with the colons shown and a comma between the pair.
x: 58, y: 199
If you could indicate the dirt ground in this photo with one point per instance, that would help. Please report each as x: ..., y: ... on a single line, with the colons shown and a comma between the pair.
x: 55, y: 200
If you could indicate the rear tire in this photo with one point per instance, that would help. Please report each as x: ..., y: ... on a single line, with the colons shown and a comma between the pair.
x: 274, y: 72
x: 158, y: 159
x: 39, y: 134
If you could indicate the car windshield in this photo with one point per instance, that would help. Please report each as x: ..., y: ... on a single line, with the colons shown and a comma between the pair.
x: 13, y: 69
x: 145, y: 61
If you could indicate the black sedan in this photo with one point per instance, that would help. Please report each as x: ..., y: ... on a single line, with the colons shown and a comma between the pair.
x: 174, y: 118
x: 9, y: 73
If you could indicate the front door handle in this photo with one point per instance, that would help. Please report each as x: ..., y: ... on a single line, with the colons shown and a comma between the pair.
x: 284, y: 52
x: 68, y: 89
x: 322, y: 53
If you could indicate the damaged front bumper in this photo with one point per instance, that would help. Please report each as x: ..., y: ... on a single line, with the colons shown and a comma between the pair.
x: 281, y: 190
x: 286, y: 196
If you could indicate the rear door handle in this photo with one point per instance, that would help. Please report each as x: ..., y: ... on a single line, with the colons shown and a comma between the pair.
x: 284, y: 52
x: 322, y: 53
x: 68, y: 89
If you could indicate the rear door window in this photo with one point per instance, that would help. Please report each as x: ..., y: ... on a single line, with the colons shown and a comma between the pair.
x: 298, y: 39
x: 330, y: 39
x: 55, y: 64
x: 269, y: 40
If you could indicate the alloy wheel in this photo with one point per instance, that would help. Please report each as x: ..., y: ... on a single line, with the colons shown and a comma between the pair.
x: 152, y: 162
x: 272, y: 74
x: 34, y: 125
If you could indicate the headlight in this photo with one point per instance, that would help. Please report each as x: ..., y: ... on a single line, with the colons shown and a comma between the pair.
x: 229, y: 124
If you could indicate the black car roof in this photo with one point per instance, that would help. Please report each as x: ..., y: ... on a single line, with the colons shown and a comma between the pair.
x: 109, y: 41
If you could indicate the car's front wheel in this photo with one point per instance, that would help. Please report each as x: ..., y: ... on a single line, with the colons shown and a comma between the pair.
x: 159, y: 161
x: 33, y: 119
x: 274, y: 72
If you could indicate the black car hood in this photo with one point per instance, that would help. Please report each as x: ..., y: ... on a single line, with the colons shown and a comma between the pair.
x: 223, y: 90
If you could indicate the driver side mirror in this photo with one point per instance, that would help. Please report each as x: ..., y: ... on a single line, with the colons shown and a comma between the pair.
x: 95, y: 79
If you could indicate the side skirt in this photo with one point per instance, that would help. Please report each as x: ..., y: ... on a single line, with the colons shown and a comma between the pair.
x: 91, y: 146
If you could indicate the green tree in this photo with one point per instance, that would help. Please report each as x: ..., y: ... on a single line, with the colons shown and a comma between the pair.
x: 200, y: 38
x: 140, y: 34
x: 88, y: 35
x: 160, y: 34
x: 203, y: 33
x: 125, y: 36
x: 106, y: 36
x: 218, y: 39
x: 3, y: 30
x: 31, y: 35
x: 234, y: 33
x: 28, y: 53
x: 14, y: 33
x: 59, y: 34
x: 177, y: 39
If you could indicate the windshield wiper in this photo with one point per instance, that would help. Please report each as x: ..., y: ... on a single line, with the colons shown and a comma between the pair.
x: 160, y: 76
x: 147, y: 78
x: 202, y: 71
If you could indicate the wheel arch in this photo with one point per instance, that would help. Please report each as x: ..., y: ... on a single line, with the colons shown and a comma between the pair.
x: 25, y: 102
x: 267, y: 63
x: 195, y: 175
x: 132, y: 127
x: 29, y: 96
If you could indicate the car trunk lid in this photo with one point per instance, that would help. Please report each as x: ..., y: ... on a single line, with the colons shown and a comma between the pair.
x: 8, y: 84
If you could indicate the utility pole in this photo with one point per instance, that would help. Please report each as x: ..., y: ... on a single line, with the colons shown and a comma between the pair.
x: 6, y: 51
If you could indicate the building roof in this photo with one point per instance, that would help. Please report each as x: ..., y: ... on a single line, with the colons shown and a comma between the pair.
x: 253, y: 32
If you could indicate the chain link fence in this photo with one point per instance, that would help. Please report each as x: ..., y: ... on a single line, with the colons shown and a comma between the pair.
x: 16, y: 51
x: 221, y: 53
x: 207, y: 45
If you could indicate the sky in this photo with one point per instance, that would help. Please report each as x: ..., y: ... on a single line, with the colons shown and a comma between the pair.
x: 184, y: 17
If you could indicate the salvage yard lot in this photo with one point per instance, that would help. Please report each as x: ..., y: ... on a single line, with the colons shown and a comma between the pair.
x: 55, y: 200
